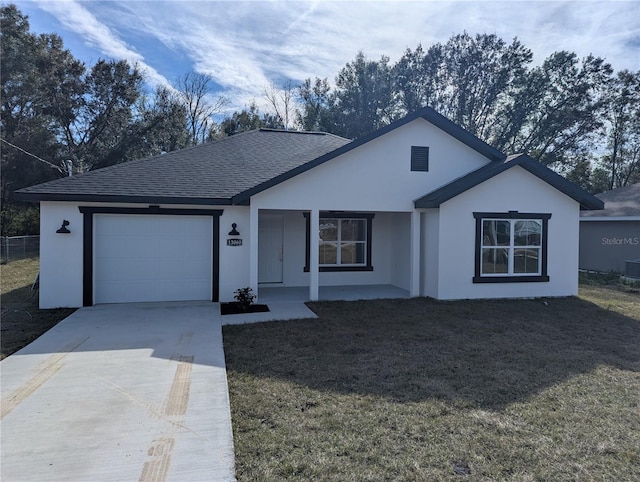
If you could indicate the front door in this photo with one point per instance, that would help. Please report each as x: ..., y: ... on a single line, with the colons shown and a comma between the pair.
x: 270, y: 233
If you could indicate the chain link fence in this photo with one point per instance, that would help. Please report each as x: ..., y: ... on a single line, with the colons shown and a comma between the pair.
x: 19, y: 247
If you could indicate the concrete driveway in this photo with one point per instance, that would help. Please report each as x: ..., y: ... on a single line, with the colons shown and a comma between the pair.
x: 120, y: 392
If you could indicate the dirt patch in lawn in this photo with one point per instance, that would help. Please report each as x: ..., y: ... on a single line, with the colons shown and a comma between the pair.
x: 21, y: 319
x: 424, y: 390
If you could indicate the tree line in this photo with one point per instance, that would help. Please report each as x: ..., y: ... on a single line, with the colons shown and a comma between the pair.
x: 575, y: 115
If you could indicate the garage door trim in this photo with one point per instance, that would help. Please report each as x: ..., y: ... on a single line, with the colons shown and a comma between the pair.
x: 87, y: 240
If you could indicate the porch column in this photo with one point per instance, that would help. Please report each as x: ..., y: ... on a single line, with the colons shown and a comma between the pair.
x: 253, y: 248
x: 314, y: 248
x: 414, y: 257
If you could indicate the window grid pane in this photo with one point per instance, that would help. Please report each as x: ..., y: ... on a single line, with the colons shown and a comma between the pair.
x: 352, y: 253
x: 495, y: 261
x: 511, y: 247
x: 526, y: 261
x: 353, y: 230
x: 328, y: 253
x: 496, y: 232
x: 349, y: 234
x: 329, y: 229
x: 527, y: 233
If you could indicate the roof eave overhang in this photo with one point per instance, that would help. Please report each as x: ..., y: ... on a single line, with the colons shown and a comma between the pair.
x: 460, y: 134
x: 436, y: 198
x: 108, y: 198
x: 587, y: 201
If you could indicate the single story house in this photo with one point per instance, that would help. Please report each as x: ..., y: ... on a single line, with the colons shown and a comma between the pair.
x: 421, y: 205
x: 611, y: 237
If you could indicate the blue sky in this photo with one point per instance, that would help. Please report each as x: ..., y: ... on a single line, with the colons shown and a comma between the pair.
x: 244, y: 45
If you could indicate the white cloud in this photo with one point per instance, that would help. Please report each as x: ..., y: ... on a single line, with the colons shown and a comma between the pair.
x: 78, y: 19
x: 244, y: 45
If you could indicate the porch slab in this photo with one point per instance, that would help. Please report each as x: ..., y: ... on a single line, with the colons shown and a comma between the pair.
x: 278, y: 310
x: 284, y: 294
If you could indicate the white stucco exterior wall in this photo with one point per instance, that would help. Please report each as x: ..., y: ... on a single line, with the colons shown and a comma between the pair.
x: 234, y: 260
x: 513, y: 190
x: 376, y: 176
x: 399, y: 246
x: 61, y: 255
x: 429, y: 253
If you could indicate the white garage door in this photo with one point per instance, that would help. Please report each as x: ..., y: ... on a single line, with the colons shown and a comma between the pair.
x: 152, y: 258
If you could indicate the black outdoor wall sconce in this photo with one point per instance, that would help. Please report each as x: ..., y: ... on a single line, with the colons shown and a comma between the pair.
x: 234, y: 231
x: 63, y: 229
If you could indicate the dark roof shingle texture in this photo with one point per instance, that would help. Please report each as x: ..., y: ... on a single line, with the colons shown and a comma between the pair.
x: 624, y: 201
x: 216, y: 170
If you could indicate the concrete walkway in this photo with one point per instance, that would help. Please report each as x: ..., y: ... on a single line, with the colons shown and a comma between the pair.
x: 123, y: 392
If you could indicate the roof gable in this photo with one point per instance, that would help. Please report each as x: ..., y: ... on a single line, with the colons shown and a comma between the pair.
x: 448, y: 191
x: 426, y: 113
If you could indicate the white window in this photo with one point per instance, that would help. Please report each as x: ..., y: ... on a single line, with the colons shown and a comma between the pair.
x: 511, y: 247
x: 343, y: 242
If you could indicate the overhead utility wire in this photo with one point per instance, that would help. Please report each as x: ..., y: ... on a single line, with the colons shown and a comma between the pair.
x: 59, y: 169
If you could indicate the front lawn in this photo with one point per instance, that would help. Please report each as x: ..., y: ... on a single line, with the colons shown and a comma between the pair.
x: 425, y: 390
x: 22, y: 320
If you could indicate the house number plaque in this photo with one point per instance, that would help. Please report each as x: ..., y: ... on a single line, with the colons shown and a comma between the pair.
x: 234, y: 242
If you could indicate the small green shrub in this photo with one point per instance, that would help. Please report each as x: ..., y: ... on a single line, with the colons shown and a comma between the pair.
x: 244, y: 297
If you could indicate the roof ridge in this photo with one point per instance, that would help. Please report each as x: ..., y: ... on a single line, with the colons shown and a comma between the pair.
x: 628, y: 186
x: 157, y: 156
x: 295, y: 131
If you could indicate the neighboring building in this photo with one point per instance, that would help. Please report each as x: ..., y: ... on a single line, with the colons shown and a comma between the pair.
x: 610, y: 237
x: 421, y: 205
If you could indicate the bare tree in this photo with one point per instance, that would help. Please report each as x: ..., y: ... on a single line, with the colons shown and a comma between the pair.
x: 622, y: 130
x: 195, y: 92
x: 282, y: 102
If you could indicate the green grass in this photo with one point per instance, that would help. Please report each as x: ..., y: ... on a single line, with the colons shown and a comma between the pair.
x: 611, y: 279
x: 422, y: 390
x: 418, y: 389
x: 22, y: 320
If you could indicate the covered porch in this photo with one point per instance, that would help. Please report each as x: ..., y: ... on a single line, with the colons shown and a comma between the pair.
x: 304, y: 255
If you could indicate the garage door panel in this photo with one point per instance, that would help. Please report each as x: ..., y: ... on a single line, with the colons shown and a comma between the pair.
x: 141, y: 247
x: 116, y: 244
x: 157, y: 291
x: 139, y: 269
x: 152, y: 258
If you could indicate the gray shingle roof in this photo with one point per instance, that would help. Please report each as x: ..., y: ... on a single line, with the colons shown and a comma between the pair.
x: 211, y: 173
x: 624, y: 201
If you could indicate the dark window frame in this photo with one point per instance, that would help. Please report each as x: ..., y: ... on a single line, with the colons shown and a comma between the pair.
x: 420, y: 158
x: 542, y: 277
x: 339, y: 215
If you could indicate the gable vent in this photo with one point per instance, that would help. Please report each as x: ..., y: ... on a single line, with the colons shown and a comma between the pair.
x: 419, y: 158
